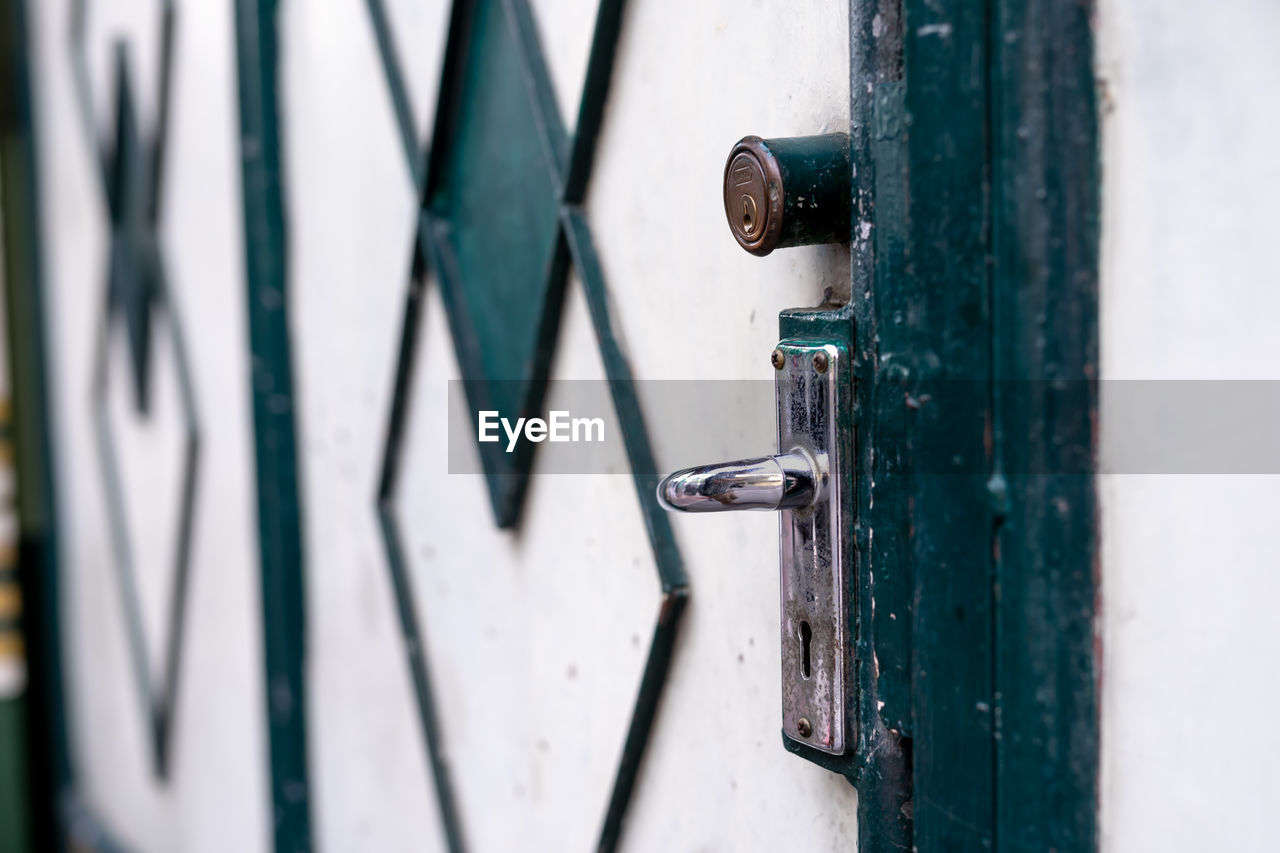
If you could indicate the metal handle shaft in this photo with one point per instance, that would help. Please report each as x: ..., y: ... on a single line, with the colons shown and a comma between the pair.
x: 785, y: 481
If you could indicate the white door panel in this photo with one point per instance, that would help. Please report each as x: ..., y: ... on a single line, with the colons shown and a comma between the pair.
x: 536, y: 639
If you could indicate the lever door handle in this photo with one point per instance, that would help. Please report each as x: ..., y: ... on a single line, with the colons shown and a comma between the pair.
x: 783, y: 481
x: 807, y: 481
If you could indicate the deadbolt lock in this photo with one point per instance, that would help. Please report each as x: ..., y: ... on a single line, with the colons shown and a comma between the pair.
x: 788, y: 192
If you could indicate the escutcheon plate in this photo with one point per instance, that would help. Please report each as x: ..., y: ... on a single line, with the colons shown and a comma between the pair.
x: 814, y: 629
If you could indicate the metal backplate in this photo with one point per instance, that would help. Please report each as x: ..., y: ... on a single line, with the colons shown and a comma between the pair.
x: 814, y: 630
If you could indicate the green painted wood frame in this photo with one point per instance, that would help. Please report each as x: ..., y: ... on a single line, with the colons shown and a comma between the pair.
x: 974, y: 285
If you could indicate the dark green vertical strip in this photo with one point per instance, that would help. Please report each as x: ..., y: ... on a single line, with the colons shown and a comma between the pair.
x: 48, y: 764
x: 935, y: 332
x: 14, y: 831
x: 279, y: 511
x: 881, y: 533
x: 883, y: 447
x: 1045, y: 231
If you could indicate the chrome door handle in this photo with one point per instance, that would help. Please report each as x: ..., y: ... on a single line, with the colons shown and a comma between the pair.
x: 809, y: 484
x: 784, y: 481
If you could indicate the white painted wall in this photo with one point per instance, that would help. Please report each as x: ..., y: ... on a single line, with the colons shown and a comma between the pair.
x: 1190, y: 574
x: 217, y: 799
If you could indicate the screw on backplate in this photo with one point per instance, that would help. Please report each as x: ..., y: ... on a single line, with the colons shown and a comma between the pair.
x: 820, y: 362
x: 778, y: 360
x: 804, y: 727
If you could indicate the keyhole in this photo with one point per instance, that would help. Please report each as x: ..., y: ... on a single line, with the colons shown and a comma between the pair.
x: 748, y: 215
x: 806, y: 634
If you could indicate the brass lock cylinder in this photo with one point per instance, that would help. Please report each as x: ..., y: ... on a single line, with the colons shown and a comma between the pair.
x: 795, y: 191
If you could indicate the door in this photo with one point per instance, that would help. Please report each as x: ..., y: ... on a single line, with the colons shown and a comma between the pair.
x: 302, y: 249
x: 545, y: 642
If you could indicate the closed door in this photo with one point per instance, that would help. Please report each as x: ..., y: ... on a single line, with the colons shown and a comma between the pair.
x: 512, y: 651
x: 536, y: 637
